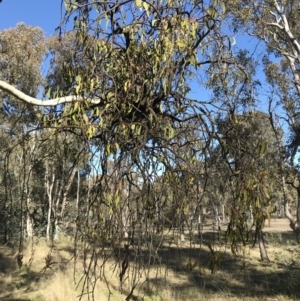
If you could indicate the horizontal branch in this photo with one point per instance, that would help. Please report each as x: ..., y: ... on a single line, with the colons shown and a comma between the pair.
x: 275, y: 25
x: 38, y: 102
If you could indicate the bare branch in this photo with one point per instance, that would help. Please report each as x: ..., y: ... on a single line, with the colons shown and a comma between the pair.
x: 38, y: 102
x: 275, y: 25
x: 287, y: 27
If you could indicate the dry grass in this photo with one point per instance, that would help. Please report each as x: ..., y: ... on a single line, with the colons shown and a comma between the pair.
x: 236, y: 279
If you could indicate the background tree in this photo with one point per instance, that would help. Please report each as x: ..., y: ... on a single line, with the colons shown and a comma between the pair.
x: 275, y: 23
x: 250, y: 150
x: 21, y: 53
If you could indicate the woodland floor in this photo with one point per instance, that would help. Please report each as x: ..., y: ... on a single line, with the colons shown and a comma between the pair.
x: 238, y: 277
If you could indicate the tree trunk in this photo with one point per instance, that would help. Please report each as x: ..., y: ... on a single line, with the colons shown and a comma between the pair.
x: 223, y: 214
x: 182, y: 239
x: 262, y: 247
x: 125, y: 217
x: 294, y: 222
x: 49, y: 182
x: 28, y: 190
x: 67, y: 189
x: 181, y: 228
x: 49, y: 219
x: 29, y: 226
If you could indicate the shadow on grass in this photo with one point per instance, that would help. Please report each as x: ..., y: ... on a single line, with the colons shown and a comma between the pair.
x: 235, y: 277
x: 7, y: 265
x: 14, y: 299
x: 12, y: 278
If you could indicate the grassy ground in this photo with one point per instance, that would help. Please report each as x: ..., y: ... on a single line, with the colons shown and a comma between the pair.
x: 187, y: 276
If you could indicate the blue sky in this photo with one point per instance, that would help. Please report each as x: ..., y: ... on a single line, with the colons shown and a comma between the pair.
x: 42, y: 13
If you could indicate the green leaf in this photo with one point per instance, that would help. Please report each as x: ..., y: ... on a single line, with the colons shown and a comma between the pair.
x: 110, y: 95
x: 117, y: 200
x: 67, y: 6
x: 77, y: 89
x: 138, y: 3
x: 223, y: 7
x: 92, y: 82
x: 86, y: 119
x: 146, y: 7
x: 107, y: 150
x: 49, y: 92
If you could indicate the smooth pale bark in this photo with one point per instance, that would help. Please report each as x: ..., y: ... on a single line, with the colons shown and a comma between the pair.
x: 29, y: 218
x: 61, y: 189
x: 78, y: 190
x: 38, y: 102
x: 291, y: 54
x: 181, y: 228
x: 125, y: 218
x: 49, y: 189
x: 26, y: 158
x: 29, y: 226
x: 223, y: 214
x: 262, y: 247
x: 294, y: 221
x: 58, y: 184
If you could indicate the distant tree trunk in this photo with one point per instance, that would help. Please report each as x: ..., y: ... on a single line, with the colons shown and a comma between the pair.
x: 294, y: 221
x: 182, y: 228
x: 29, y: 211
x: 28, y: 166
x: 49, y: 182
x: 125, y: 217
x: 67, y: 189
x: 262, y: 247
x: 49, y: 219
x: 29, y: 219
x: 296, y: 225
x: 216, y: 221
x: 182, y: 233
x: 200, y: 228
x: 29, y: 226
x: 251, y: 219
x: 223, y: 214
x: 77, y: 204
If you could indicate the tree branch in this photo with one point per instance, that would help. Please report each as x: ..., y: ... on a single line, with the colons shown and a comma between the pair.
x: 275, y: 25
x: 287, y: 27
x: 44, y: 103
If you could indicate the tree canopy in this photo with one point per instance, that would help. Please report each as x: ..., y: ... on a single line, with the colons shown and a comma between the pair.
x: 117, y: 145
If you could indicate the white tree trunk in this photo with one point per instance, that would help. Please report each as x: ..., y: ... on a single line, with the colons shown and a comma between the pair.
x: 29, y: 226
x: 49, y: 182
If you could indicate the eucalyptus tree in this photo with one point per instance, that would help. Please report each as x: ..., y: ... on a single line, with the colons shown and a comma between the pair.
x: 61, y: 159
x: 22, y: 51
x: 246, y: 152
x: 249, y: 146
x: 120, y: 81
x: 276, y: 24
x: 28, y: 149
